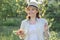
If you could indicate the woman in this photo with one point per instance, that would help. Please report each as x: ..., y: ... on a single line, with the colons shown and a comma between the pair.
x: 34, y: 27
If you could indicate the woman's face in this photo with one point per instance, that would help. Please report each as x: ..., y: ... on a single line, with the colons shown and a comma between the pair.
x: 31, y: 11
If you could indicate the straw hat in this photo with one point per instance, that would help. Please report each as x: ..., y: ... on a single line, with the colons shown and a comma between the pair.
x: 33, y: 4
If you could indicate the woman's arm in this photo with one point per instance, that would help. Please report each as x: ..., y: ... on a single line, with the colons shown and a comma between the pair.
x: 20, y: 31
x: 46, y: 31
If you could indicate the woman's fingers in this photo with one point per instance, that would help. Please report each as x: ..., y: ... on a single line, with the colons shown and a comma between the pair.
x: 20, y: 32
x: 17, y: 33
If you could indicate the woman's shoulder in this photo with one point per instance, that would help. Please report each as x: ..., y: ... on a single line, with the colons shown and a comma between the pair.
x: 43, y: 20
x: 25, y: 20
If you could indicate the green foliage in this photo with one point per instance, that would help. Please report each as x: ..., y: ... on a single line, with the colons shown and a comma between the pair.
x: 11, y: 8
x: 11, y: 22
x: 54, y: 35
x: 53, y: 12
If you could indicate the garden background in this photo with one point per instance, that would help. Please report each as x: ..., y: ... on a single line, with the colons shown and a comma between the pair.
x: 12, y: 12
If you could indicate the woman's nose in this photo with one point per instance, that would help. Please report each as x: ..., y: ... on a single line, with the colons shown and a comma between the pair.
x: 30, y: 11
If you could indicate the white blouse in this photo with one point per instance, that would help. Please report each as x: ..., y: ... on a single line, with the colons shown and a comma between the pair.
x: 35, y: 31
x: 32, y: 32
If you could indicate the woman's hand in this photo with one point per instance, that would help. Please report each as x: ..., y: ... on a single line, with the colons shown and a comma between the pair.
x: 20, y: 33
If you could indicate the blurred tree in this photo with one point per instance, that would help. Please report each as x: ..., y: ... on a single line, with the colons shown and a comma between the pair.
x: 11, y: 8
x: 53, y: 14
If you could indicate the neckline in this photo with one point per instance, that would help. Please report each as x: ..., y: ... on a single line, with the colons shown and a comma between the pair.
x: 34, y: 23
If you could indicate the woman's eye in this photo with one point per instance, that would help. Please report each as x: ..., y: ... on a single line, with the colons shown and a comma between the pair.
x: 33, y: 9
x: 28, y: 9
